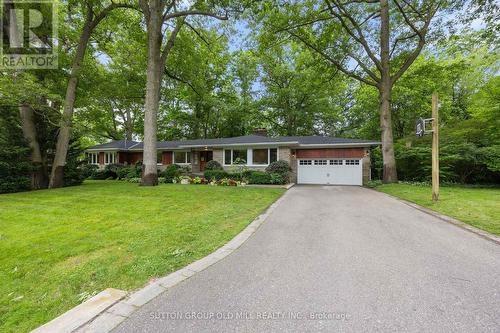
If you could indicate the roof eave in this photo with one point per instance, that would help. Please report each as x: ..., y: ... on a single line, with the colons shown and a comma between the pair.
x: 340, y: 145
x: 103, y: 149
x: 271, y: 143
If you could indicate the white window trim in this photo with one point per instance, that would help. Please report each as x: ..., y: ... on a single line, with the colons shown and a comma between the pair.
x: 250, y: 156
x: 91, y: 156
x: 185, y: 159
x: 161, y: 162
x: 113, y: 157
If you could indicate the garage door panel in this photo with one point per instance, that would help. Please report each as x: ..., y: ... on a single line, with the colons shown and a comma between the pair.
x: 333, y: 172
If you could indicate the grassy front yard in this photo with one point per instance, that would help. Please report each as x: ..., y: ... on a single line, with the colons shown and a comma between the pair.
x: 58, y: 247
x: 479, y: 207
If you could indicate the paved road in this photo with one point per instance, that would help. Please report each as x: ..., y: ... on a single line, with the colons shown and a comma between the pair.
x: 340, y: 259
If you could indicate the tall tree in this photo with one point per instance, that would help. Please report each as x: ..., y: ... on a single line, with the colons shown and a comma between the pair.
x: 372, y: 41
x: 111, y: 88
x: 93, y: 12
x: 157, y: 15
x: 299, y: 97
x: 27, y: 115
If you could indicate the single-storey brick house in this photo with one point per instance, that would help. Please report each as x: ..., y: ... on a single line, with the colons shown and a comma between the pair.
x: 313, y: 159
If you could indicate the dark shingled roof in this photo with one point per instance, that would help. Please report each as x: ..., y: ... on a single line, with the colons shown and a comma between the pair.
x: 120, y: 144
x: 244, y: 140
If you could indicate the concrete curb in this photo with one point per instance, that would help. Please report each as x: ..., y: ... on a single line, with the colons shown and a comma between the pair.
x: 285, y: 186
x: 80, y: 314
x: 111, y: 317
x: 451, y: 220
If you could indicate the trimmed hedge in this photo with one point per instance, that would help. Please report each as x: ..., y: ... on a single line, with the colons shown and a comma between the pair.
x: 260, y: 177
x: 251, y: 176
x: 217, y: 174
x: 278, y: 179
x: 213, y: 165
x: 281, y: 168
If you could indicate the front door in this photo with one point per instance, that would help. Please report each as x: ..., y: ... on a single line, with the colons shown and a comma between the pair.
x: 205, y: 156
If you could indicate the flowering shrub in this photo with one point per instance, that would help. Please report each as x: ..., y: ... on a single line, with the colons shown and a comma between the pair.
x: 199, y: 180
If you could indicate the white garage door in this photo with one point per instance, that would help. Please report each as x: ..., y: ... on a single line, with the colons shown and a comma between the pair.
x: 330, y: 171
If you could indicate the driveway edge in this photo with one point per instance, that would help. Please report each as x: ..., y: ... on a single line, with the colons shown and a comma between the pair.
x: 110, y: 318
x: 481, y: 233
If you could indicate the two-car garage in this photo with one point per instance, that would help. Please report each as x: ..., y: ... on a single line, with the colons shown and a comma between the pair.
x: 330, y: 166
x: 330, y: 171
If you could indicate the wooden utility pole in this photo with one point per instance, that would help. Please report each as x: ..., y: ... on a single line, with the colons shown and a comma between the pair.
x: 435, y: 148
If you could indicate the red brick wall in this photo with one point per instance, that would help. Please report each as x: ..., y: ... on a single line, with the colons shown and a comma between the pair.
x: 133, y: 158
x: 331, y: 153
x: 122, y: 157
x: 166, y: 158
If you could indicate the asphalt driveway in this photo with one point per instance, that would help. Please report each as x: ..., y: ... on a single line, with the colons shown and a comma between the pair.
x: 339, y: 259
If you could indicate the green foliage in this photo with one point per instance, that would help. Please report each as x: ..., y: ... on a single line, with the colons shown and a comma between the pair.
x: 88, y: 170
x: 15, y: 155
x: 281, y: 168
x: 199, y: 180
x: 171, y: 172
x: 490, y: 156
x: 15, y: 169
x: 278, y: 179
x: 373, y: 183
x: 250, y: 176
x: 464, y: 162
x: 216, y: 174
x: 213, y: 165
x: 227, y: 182
x: 73, y: 173
x: 260, y: 177
x: 15, y: 165
x: 103, y: 175
x: 126, y: 172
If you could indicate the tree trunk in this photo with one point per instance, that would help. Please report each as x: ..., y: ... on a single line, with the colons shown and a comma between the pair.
x: 129, y: 125
x: 390, y: 173
x: 385, y: 90
x: 38, y: 175
x: 152, y: 102
x: 57, y: 173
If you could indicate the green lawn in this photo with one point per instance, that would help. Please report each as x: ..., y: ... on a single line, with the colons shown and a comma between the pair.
x: 479, y: 207
x: 58, y: 247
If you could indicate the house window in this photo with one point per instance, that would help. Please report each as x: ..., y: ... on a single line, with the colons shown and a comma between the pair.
x: 260, y: 156
x: 93, y: 158
x: 305, y: 162
x: 335, y: 162
x: 239, y: 154
x: 227, y: 156
x: 273, y: 155
x: 320, y: 162
x: 182, y: 157
x: 159, y: 157
x: 232, y: 155
x: 351, y: 162
x: 110, y: 158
